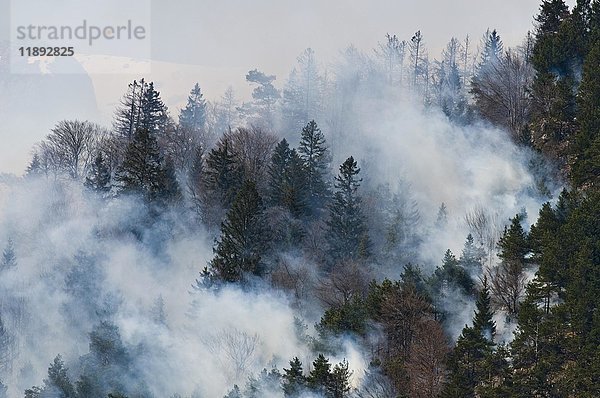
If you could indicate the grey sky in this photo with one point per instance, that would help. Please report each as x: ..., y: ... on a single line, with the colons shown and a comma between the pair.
x: 214, y: 42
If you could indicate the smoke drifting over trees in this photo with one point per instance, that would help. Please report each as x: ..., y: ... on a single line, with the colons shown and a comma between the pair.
x: 389, y: 225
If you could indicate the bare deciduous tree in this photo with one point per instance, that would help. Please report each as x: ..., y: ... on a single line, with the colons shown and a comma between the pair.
x: 425, y: 365
x: 253, y: 147
x: 346, y: 281
x: 486, y: 230
x: 235, y: 350
x: 70, y: 146
x: 501, y: 91
x: 507, y: 286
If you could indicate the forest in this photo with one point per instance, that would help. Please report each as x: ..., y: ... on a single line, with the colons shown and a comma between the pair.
x: 389, y: 225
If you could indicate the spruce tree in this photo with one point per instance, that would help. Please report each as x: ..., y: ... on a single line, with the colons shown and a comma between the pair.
x: 482, y: 320
x: 98, y: 179
x: 193, y: 116
x: 243, y: 242
x: 35, y: 167
x: 154, y: 114
x: 586, y: 148
x: 288, y: 180
x: 316, y: 157
x: 143, y: 172
x: 222, y: 173
x: 472, y: 256
x: 347, y: 232
x: 277, y: 171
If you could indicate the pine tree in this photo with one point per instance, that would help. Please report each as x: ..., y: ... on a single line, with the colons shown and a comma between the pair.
x: 58, y: 383
x: 315, y: 155
x: 320, y: 376
x: 243, y: 242
x: 9, y: 258
x: 347, y: 232
x: 98, y: 179
x: 339, y: 382
x: 193, y: 116
x: 294, y: 380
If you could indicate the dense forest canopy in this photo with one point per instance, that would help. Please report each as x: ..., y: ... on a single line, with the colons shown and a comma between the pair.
x: 392, y: 225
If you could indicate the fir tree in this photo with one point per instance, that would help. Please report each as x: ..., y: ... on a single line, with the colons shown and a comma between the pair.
x: 98, y: 179
x: 154, y: 114
x: 242, y: 244
x: 482, y: 320
x: 193, y: 116
x: 144, y: 172
x: 287, y: 180
x: 277, y: 171
x: 586, y: 148
x: 472, y: 255
x: 315, y: 154
x: 222, y: 174
x: 347, y: 232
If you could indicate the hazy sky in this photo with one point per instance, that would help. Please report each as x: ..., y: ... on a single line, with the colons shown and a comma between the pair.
x: 215, y: 42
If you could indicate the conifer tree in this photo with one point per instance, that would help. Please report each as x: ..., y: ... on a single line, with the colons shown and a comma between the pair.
x: 9, y: 258
x: 193, y: 116
x: 586, y: 148
x: 154, y: 114
x: 315, y: 154
x: 482, y: 320
x: 294, y: 380
x: 98, y: 179
x: 58, y: 383
x: 35, y: 167
x: 288, y: 180
x: 144, y: 172
x: 472, y: 256
x: 277, y: 171
x: 347, y: 232
x: 320, y: 376
x: 222, y: 174
x: 339, y: 383
x: 243, y: 242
